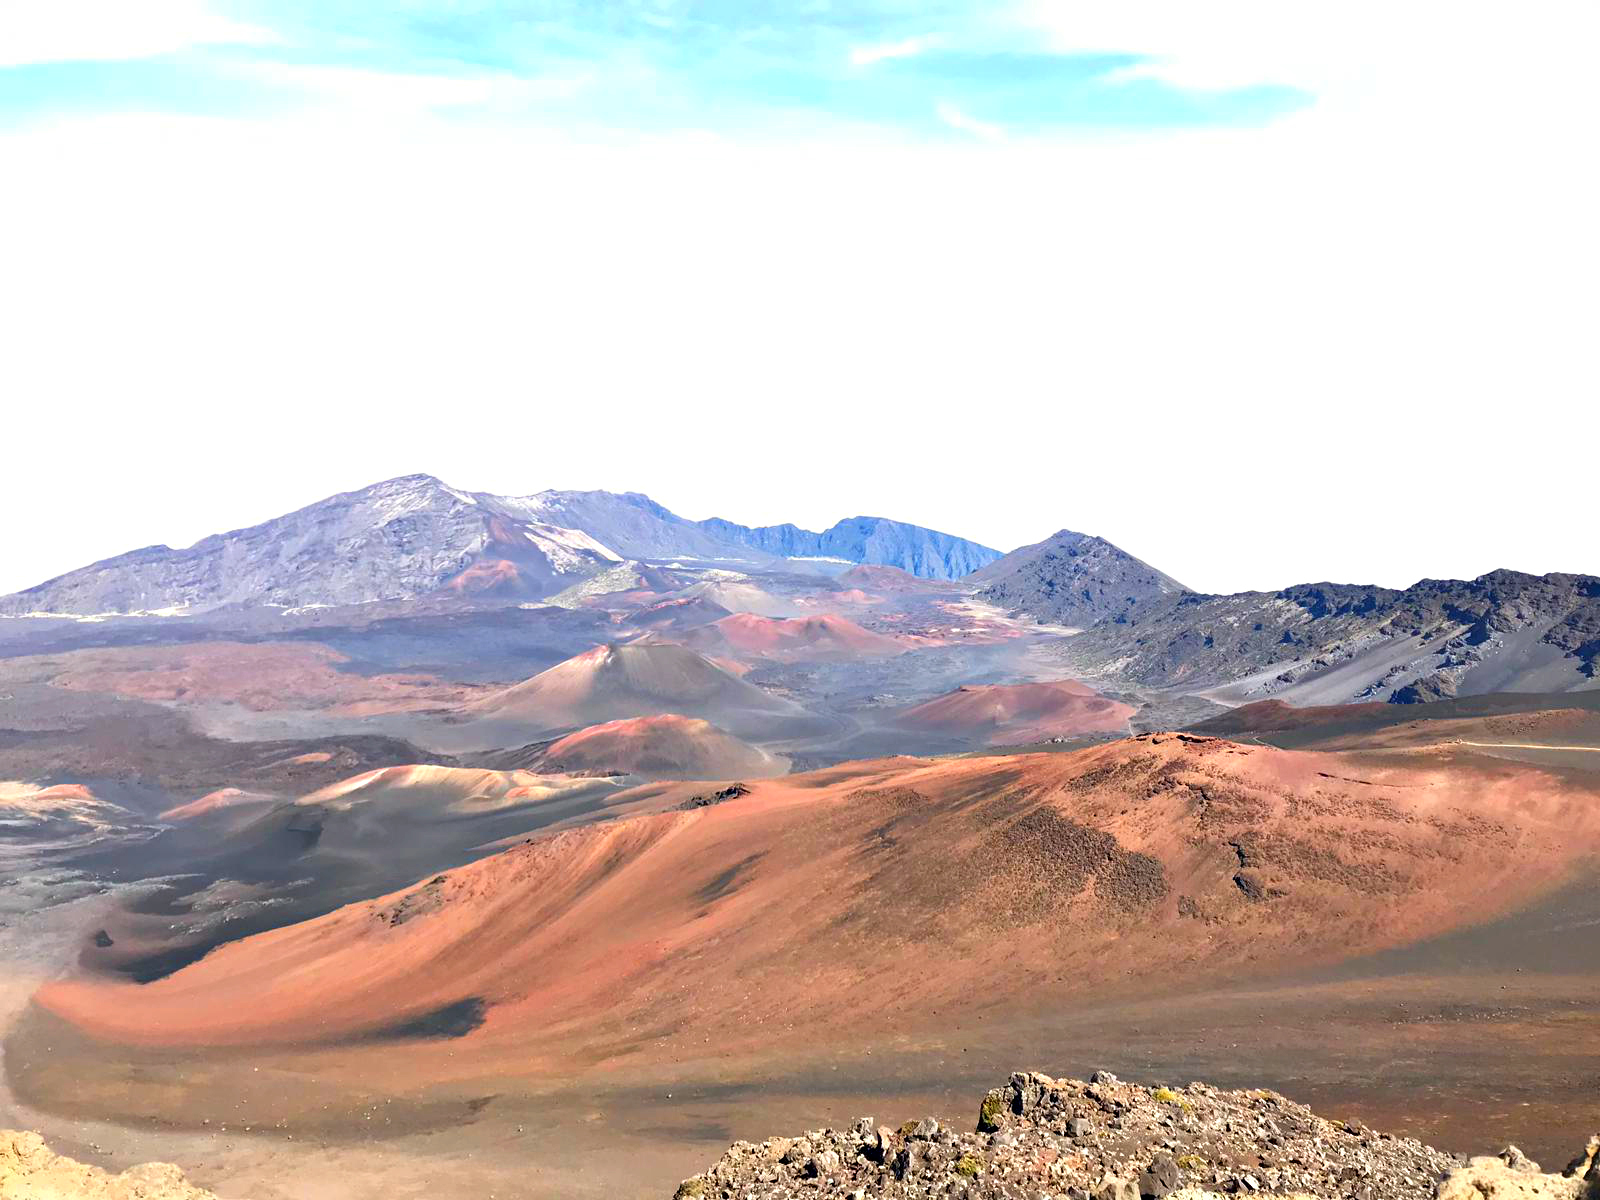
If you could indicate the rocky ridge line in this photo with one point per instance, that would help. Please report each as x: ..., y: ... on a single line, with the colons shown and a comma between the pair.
x: 1039, y: 1138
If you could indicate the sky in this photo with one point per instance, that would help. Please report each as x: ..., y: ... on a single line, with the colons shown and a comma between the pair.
x: 1264, y: 291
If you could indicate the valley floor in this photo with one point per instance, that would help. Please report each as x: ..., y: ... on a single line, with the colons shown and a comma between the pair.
x: 1485, y: 1036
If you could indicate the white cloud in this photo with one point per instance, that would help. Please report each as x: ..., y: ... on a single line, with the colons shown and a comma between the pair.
x: 46, y: 31
x: 965, y: 122
x: 865, y: 56
x: 1343, y: 47
x: 401, y: 92
x: 1219, y: 44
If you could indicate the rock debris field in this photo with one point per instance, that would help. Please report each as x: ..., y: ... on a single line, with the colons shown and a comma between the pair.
x: 1040, y: 1138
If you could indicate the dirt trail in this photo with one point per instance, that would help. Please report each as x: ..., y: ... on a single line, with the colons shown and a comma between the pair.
x: 1520, y: 746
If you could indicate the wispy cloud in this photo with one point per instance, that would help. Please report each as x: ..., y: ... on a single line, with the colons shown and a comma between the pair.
x: 616, y: 67
x: 965, y: 122
x: 400, y: 91
x: 865, y: 56
x: 58, y: 31
x: 1319, y: 47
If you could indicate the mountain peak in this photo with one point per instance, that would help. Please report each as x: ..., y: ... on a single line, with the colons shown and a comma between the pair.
x: 1075, y: 579
x: 872, y: 541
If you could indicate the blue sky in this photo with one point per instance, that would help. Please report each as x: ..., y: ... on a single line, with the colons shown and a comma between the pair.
x: 1131, y: 267
x: 734, y: 68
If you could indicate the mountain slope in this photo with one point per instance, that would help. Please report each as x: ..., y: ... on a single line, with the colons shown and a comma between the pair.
x: 1073, y: 579
x: 1015, y: 714
x: 398, y: 539
x: 1332, y: 643
x: 617, y: 682
x: 633, y: 525
x: 412, y: 536
x: 871, y: 540
x: 668, y: 746
x: 797, y: 639
x: 1158, y: 862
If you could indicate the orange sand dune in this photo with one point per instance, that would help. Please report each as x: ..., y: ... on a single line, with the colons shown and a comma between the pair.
x: 848, y: 905
x: 668, y: 746
x: 818, y: 638
x: 1016, y: 714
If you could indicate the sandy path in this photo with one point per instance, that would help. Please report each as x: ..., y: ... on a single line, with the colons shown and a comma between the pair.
x: 1521, y: 746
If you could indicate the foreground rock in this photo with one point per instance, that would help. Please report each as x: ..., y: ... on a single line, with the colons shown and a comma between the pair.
x: 29, y: 1170
x: 1511, y: 1176
x: 1040, y: 1138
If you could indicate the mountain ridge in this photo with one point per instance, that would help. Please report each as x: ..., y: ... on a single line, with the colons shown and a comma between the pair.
x: 407, y: 537
x: 1331, y: 643
x: 871, y: 541
x: 397, y: 539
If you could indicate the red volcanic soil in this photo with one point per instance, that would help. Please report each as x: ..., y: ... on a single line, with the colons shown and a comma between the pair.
x: 888, y: 579
x: 489, y: 577
x: 811, y: 638
x: 668, y: 746
x: 1016, y: 714
x: 263, y: 677
x: 614, y: 682
x: 853, y: 905
x: 681, y: 612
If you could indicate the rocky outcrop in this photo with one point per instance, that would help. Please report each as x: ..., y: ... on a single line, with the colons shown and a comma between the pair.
x: 1109, y: 1140
x: 1335, y: 643
x: 29, y: 1170
x: 1074, y: 579
x: 875, y: 541
x: 1510, y: 1175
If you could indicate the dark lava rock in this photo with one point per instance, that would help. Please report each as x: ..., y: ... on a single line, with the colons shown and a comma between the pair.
x: 1159, y: 1178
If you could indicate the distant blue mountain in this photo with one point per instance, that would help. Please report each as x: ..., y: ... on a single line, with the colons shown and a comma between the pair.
x: 413, y: 536
x: 874, y: 540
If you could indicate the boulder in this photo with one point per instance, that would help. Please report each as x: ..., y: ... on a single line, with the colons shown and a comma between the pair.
x: 29, y: 1170
x: 1511, y: 1176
